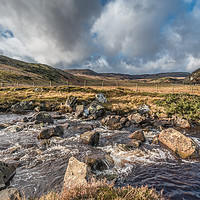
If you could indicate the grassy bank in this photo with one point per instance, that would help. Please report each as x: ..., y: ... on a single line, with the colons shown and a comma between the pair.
x: 120, y: 100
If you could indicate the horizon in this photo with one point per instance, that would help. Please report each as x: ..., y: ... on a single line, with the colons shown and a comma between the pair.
x: 107, y: 36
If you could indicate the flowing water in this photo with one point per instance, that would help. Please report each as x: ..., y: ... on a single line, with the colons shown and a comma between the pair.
x: 41, y: 164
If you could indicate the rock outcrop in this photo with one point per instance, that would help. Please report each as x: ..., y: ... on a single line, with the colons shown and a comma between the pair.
x: 184, y: 146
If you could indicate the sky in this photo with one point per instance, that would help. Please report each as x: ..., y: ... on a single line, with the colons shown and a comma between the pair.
x: 119, y: 36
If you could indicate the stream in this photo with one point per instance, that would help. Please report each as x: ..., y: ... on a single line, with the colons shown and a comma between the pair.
x: 41, y: 164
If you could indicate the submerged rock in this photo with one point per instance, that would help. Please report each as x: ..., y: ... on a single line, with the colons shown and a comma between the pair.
x: 7, y: 171
x: 50, y: 132
x: 10, y: 194
x: 134, y: 143
x: 22, y: 106
x: 90, y: 137
x: 77, y: 173
x: 184, y: 146
x: 99, y: 162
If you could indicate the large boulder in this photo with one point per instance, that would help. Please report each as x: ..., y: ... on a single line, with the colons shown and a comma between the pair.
x: 184, y: 146
x: 77, y: 173
x: 101, y: 98
x: 50, y: 132
x: 43, y: 117
x: 90, y: 137
x: 10, y: 194
x: 7, y: 171
x: 22, y: 106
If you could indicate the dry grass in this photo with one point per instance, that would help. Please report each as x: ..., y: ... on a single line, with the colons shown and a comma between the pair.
x: 102, y: 190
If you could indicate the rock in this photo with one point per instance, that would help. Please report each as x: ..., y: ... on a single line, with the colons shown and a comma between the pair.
x: 77, y: 173
x: 116, y: 126
x: 182, y: 123
x: 127, y: 124
x: 7, y: 171
x: 134, y: 143
x: 123, y: 120
x: 144, y: 109
x: 113, y: 122
x: 138, y: 135
x: 96, y: 162
x: 22, y: 106
x: 58, y: 117
x: 2, y: 126
x: 99, y: 162
x: 71, y: 101
x: 37, y: 109
x: 184, y: 146
x: 95, y: 108
x: 101, y: 98
x: 50, y: 132
x: 43, y: 117
x: 79, y: 111
x: 136, y: 118
x: 90, y: 137
x: 10, y: 194
x: 164, y: 123
x: 25, y: 119
x: 19, y: 128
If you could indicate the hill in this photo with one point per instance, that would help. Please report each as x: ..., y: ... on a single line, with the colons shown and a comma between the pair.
x: 12, y: 71
x: 88, y: 72
x: 193, y: 78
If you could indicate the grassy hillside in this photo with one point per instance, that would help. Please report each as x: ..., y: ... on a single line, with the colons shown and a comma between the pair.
x: 193, y: 78
x: 88, y: 72
x: 13, y: 71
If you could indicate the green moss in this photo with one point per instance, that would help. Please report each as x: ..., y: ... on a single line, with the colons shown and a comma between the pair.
x: 181, y: 104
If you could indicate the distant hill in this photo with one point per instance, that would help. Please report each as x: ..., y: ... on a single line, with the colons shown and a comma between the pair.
x: 193, y: 78
x: 88, y: 72
x: 12, y: 71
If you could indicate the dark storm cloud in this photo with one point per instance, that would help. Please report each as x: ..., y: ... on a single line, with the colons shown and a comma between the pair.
x: 129, y: 36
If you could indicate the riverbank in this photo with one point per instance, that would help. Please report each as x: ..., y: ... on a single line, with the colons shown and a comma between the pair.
x: 119, y: 134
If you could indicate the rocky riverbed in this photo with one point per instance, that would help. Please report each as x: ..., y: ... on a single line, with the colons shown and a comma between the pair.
x: 125, y: 148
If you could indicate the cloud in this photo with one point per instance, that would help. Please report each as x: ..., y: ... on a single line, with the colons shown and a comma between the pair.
x: 133, y: 27
x: 127, y: 36
x: 52, y: 31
